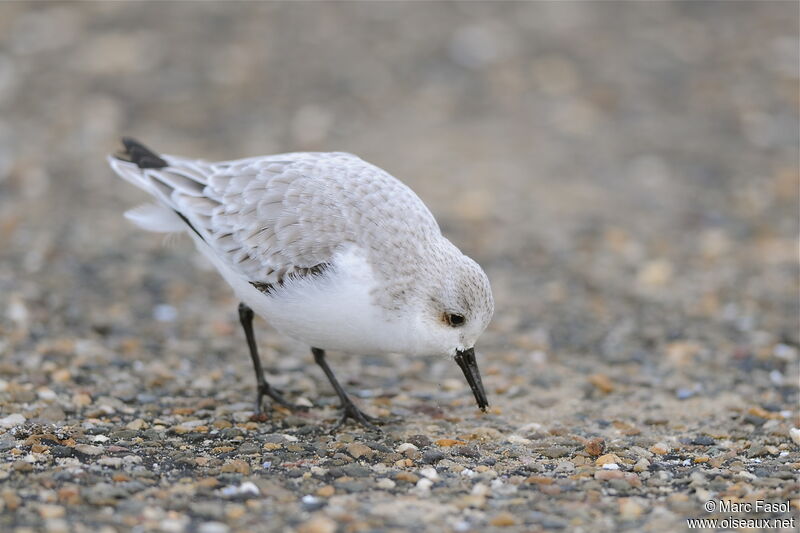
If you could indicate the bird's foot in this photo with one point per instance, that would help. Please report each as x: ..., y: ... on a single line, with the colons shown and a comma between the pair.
x: 349, y: 410
x: 265, y: 389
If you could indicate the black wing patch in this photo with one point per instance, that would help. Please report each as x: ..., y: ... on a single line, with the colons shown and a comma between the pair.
x: 140, y: 155
x: 298, y: 273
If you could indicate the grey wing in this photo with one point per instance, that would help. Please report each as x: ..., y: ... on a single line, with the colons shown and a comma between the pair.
x: 286, y: 215
x: 257, y: 214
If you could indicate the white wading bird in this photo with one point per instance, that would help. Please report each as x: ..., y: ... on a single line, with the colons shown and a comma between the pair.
x: 327, y: 248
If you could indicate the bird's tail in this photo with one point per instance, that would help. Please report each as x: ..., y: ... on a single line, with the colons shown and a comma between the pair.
x: 142, y: 167
x: 140, y: 155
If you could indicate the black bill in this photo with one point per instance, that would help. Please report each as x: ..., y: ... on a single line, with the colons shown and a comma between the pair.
x: 466, y: 360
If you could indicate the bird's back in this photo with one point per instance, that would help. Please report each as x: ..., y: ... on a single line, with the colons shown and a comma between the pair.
x: 281, y: 215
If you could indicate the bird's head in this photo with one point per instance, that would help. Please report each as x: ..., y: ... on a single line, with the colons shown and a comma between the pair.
x: 457, y: 305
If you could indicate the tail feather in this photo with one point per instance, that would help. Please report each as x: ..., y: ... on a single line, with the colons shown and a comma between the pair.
x: 134, y: 175
x: 176, y: 188
x: 157, y: 218
x: 140, y: 155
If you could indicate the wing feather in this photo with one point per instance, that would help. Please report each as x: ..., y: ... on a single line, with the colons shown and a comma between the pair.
x: 274, y: 217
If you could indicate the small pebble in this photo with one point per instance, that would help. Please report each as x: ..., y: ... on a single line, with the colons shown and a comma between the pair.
x: 326, y: 491
x: 81, y: 400
x: 554, y: 452
x: 51, y: 511
x: 89, y: 449
x: 246, y: 488
x: 386, y: 483
x: 408, y: 477
x: 605, y: 475
x: 432, y: 456
x: 317, y: 524
x: 12, y: 420
x: 758, y: 450
x: 660, y: 448
x: 565, y: 466
x: 446, y: 443
x: 602, y: 382
x: 236, y: 465
x: 420, y: 441
x: 136, y: 425
x: 46, y: 394
x: 213, y: 527
x: 430, y: 473
x: 516, y: 439
x: 424, y: 485
x: 595, y: 446
x: 608, y: 458
x: 111, y: 462
x: 503, y: 519
x: 629, y: 509
x: 358, y: 450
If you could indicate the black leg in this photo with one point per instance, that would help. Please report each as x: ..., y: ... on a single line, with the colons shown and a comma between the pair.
x: 264, y: 388
x: 349, y: 409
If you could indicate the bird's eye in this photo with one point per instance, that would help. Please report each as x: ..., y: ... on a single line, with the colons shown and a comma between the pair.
x: 454, y: 320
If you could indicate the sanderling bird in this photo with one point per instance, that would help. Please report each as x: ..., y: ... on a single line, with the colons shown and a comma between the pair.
x: 329, y: 249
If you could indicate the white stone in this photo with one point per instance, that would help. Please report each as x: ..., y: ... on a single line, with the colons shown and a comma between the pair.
x: 516, y: 439
x: 386, y: 483
x: 12, y: 420
x: 213, y: 527
x: 175, y: 525
x: 305, y: 402
x: 430, y: 473
x: 249, y: 487
x: 424, y: 485
x: 46, y: 394
x: 480, y: 490
x: 529, y: 428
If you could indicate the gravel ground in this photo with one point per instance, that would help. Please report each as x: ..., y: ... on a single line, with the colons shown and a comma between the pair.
x: 627, y: 174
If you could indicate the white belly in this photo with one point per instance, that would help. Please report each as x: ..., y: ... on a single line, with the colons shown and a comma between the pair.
x: 331, y: 311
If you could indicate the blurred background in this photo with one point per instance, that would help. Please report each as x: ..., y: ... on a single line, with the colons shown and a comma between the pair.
x: 627, y: 174
x: 582, y: 152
